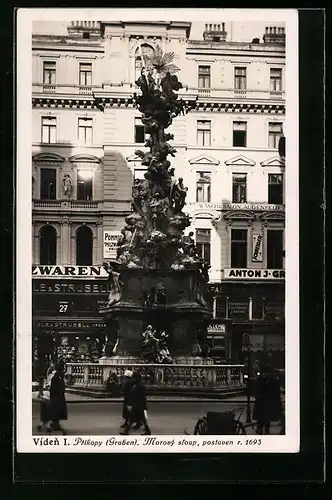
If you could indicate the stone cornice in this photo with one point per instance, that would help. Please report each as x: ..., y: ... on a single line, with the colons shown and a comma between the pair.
x: 125, y: 100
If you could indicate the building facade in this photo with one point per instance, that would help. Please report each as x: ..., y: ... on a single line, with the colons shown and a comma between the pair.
x: 86, y: 129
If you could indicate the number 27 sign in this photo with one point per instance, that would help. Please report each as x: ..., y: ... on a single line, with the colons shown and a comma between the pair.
x: 63, y: 307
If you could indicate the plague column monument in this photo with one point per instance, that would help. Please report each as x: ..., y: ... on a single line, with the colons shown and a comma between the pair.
x: 157, y: 311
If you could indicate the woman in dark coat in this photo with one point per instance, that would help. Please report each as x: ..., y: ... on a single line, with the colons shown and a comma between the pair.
x: 126, y: 388
x: 58, y: 405
x: 268, y: 405
x: 137, y: 404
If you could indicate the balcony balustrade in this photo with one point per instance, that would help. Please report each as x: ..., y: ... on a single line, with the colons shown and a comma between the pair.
x: 124, y: 89
x: 156, y: 376
x: 69, y: 205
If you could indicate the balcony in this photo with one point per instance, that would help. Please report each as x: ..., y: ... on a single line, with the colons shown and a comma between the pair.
x: 215, y: 93
x: 67, y: 205
x: 49, y: 89
x: 85, y: 90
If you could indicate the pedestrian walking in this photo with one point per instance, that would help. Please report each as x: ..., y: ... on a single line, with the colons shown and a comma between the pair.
x: 126, y: 388
x: 113, y: 386
x: 45, y: 417
x: 137, y: 405
x: 268, y: 405
x: 58, y: 406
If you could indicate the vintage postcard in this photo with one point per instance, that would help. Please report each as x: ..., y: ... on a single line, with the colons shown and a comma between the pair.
x: 157, y: 231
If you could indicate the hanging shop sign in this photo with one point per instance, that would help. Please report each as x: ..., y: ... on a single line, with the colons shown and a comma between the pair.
x: 69, y: 325
x: 110, y: 244
x: 215, y: 329
x: 264, y: 274
x: 69, y: 272
x: 257, y: 247
x: 255, y: 207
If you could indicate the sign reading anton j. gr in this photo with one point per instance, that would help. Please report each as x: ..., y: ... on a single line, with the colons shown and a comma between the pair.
x: 260, y: 274
x: 90, y: 272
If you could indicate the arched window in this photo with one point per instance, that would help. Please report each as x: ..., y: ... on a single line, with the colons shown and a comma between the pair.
x: 47, y: 250
x: 145, y: 50
x: 84, y: 246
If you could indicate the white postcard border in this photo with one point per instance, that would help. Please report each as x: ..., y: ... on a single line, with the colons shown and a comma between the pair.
x: 23, y: 322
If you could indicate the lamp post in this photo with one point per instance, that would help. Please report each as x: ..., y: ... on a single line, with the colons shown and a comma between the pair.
x: 246, y: 343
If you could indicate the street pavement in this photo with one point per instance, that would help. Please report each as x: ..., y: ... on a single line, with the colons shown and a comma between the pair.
x: 105, y: 418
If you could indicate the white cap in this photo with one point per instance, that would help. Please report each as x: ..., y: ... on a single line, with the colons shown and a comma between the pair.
x: 128, y: 373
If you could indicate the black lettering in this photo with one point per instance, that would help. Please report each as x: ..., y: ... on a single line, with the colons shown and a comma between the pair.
x: 250, y: 274
x: 238, y: 273
x: 257, y: 273
x: 45, y: 270
x: 70, y: 271
x: 275, y: 274
x: 82, y: 271
x: 232, y: 273
x: 95, y: 271
x: 57, y: 271
x: 282, y: 274
x: 266, y: 273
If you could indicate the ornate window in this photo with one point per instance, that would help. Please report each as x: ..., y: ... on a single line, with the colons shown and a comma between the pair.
x: 239, y: 134
x: 48, y: 184
x: 203, y: 187
x: 145, y: 50
x: 85, y: 130
x: 239, y: 194
x: 84, y: 184
x: 48, y: 132
x: 47, y: 248
x: 49, y: 72
x: 204, y: 133
x: 84, y: 246
x: 240, y: 78
x: 204, y: 77
x: 239, y: 248
x: 85, y: 74
x: 275, y: 132
x: 276, y: 79
x: 275, y: 193
x: 275, y: 251
x: 203, y: 244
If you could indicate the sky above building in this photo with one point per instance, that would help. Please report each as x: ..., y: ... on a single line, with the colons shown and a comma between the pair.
x: 237, y: 31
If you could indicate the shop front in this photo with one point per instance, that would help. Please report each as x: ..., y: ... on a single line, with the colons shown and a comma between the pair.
x: 219, y: 336
x: 65, y: 320
x: 255, y: 314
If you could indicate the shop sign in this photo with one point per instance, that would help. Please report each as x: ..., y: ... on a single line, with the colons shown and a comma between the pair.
x: 238, y: 308
x: 264, y: 274
x: 110, y: 243
x: 57, y: 287
x: 69, y: 325
x: 265, y: 207
x: 69, y: 272
x: 215, y: 329
x: 257, y: 247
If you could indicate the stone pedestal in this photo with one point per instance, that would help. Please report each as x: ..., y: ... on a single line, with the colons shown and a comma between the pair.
x: 181, y: 316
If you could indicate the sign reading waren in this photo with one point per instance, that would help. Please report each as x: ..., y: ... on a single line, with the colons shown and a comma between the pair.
x: 69, y: 272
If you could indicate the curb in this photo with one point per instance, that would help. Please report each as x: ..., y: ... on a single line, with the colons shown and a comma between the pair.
x: 201, y: 400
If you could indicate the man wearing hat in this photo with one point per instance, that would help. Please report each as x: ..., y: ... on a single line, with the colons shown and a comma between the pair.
x: 126, y: 388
